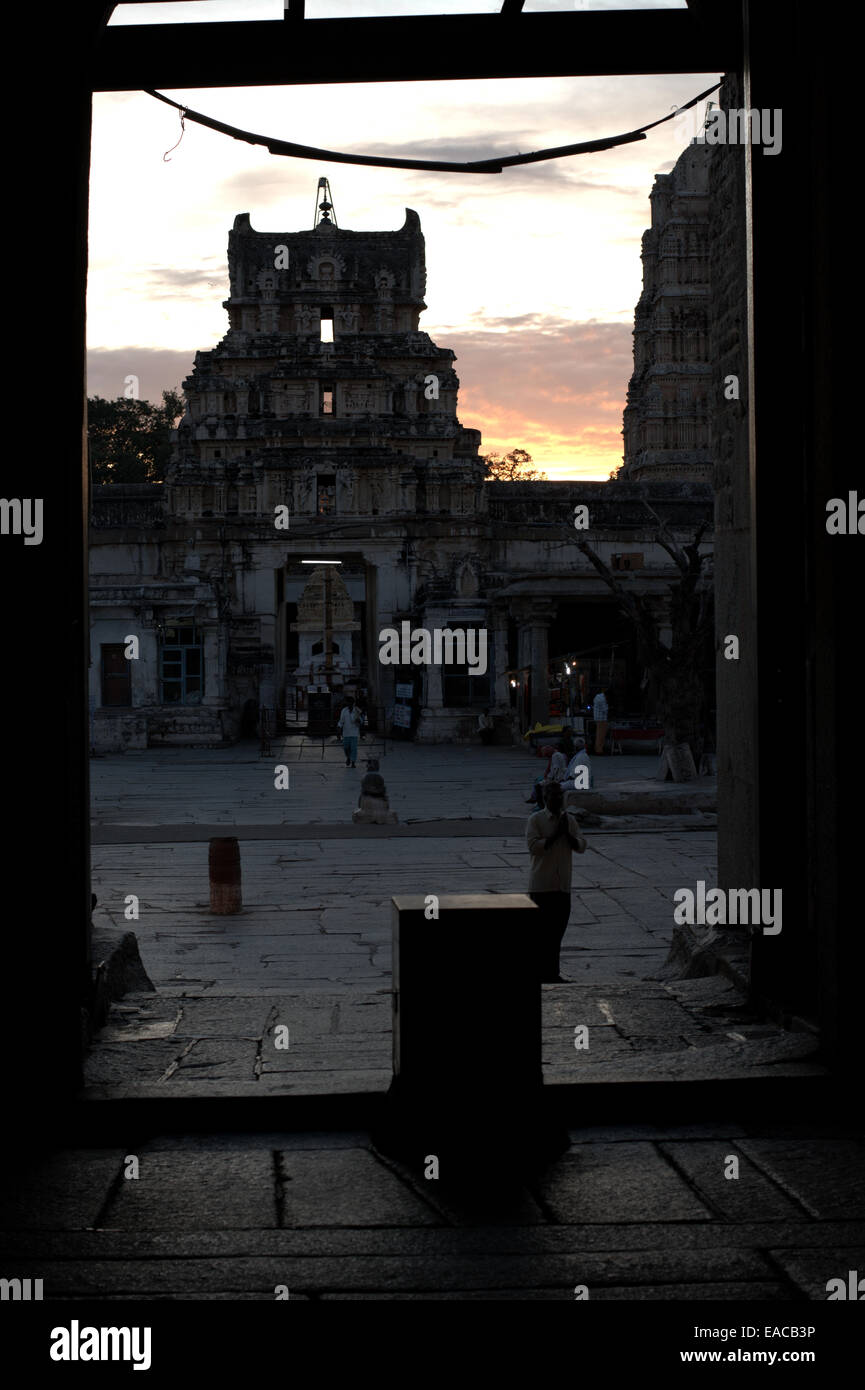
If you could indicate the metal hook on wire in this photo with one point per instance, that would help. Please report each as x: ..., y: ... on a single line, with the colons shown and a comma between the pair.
x: 165, y: 157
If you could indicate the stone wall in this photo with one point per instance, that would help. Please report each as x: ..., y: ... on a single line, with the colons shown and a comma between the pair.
x: 115, y: 730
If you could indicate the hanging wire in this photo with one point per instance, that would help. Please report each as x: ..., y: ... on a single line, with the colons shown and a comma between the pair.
x: 481, y: 166
x: 182, y: 133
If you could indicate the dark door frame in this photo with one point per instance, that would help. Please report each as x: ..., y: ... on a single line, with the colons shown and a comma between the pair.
x: 802, y: 382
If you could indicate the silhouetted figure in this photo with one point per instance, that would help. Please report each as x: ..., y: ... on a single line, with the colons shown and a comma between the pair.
x: 349, y: 725
x: 373, y: 807
x: 551, y: 753
x: 552, y: 835
x: 486, y: 728
x: 557, y: 767
x: 249, y: 720
x: 601, y: 716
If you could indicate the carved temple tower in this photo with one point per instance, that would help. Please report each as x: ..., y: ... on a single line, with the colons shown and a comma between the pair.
x: 324, y: 398
x: 667, y: 417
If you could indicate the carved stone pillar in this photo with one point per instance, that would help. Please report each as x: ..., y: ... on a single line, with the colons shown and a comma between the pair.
x: 432, y: 689
x: 540, y: 701
x: 534, y: 620
x: 501, y: 696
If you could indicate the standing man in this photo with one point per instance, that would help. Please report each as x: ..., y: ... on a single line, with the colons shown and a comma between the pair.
x: 601, y: 715
x: 552, y: 836
x: 349, y: 724
x: 485, y: 727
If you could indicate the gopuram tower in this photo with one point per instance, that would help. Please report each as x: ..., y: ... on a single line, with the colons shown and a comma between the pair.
x: 324, y: 416
x: 666, y: 420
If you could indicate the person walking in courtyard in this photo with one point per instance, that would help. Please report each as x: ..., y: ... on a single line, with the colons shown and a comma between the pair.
x: 552, y: 835
x: 349, y: 726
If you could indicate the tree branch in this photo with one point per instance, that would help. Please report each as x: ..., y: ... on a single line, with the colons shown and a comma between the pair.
x: 631, y: 605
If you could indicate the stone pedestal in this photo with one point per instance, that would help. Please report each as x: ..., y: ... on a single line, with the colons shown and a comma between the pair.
x: 468, y: 1082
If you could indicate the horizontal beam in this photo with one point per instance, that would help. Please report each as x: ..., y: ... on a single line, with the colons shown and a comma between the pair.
x: 410, y: 49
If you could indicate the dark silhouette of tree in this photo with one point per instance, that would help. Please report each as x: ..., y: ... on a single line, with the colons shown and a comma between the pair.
x: 130, y: 441
x: 676, y: 669
x: 511, y: 468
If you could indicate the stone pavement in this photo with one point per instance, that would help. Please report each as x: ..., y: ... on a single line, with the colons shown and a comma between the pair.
x: 312, y: 947
x: 631, y: 1214
x: 312, y: 951
x: 317, y: 914
x: 176, y: 1046
x: 235, y: 786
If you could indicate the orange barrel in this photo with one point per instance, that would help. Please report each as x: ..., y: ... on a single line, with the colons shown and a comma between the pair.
x: 224, y: 865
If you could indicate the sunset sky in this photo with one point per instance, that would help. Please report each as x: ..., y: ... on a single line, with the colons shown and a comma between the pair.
x: 532, y: 274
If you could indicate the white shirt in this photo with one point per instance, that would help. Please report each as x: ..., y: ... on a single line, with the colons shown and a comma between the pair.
x: 558, y: 765
x: 600, y: 709
x: 349, y: 721
x: 580, y: 759
x: 551, y: 868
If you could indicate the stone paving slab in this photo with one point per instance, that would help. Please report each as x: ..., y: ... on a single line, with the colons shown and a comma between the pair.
x: 707, y: 1064
x: 350, y: 1188
x: 154, y: 1061
x: 507, y: 1237
x: 706, y: 1165
x: 810, y: 1270
x: 264, y: 1296
x: 67, y: 1189
x: 755, y: 1292
x: 233, y: 1143
x: 220, y: 1060
x: 827, y: 1178
x: 605, y: 1182
x: 324, y: 1081
x: 433, y: 1273
x: 176, y: 1191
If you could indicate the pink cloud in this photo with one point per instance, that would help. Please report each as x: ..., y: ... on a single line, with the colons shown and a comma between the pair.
x: 551, y: 386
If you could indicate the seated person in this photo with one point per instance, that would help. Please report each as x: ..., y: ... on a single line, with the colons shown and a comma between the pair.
x: 373, y: 782
x: 580, y: 759
x: 547, y: 752
x: 557, y: 763
x: 373, y: 807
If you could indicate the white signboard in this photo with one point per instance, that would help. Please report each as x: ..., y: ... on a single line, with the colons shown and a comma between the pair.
x: 404, y: 692
x: 402, y: 716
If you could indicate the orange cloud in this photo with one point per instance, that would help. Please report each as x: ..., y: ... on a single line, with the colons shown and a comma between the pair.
x: 548, y: 385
